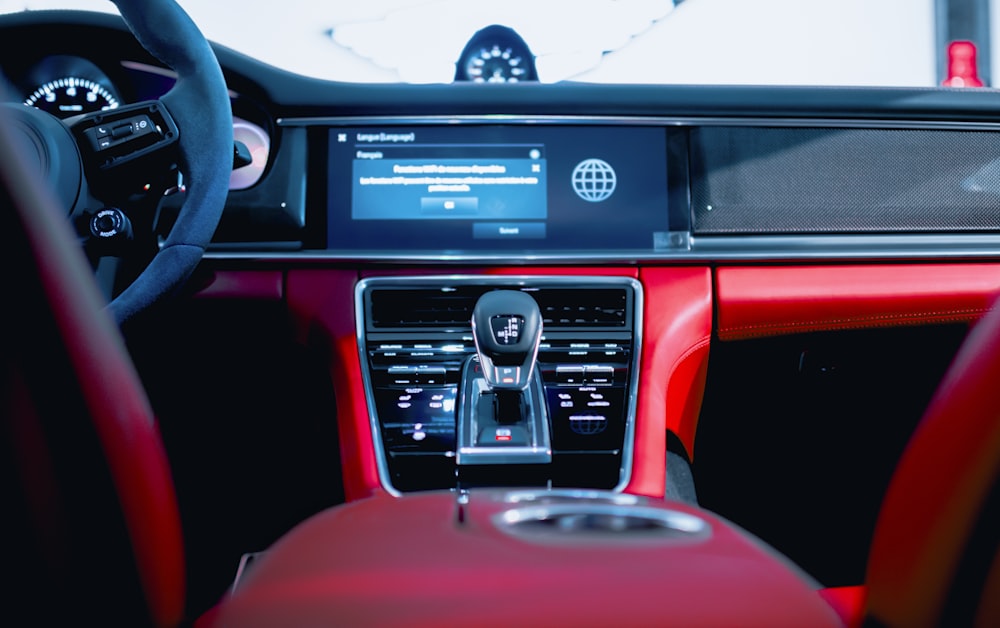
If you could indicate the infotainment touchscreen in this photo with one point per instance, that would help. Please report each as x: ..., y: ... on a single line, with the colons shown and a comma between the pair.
x: 475, y: 188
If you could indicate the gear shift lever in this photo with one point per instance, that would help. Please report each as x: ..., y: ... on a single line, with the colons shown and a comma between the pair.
x: 506, y: 326
x: 503, y: 418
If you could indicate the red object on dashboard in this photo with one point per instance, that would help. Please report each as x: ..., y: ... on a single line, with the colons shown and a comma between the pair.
x: 321, y: 305
x: 962, y: 65
x: 677, y: 331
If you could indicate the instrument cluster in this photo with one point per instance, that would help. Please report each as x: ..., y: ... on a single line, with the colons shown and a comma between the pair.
x: 68, y: 85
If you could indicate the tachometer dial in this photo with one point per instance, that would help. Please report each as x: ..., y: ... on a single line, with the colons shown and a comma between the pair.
x: 72, y: 95
x: 496, y: 54
x: 495, y: 65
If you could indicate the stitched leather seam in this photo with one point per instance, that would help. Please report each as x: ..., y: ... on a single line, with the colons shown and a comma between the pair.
x: 885, y: 320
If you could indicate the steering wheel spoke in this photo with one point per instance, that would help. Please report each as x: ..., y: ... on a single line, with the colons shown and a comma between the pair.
x: 125, y: 159
x: 201, y: 114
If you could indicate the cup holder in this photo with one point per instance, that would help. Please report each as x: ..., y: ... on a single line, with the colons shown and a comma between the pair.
x: 571, y: 496
x: 599, y: 521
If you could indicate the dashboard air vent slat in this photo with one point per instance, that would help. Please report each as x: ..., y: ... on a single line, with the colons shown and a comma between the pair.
x: 569, y: 307
x: 421, y: 308
x: 452, y: 307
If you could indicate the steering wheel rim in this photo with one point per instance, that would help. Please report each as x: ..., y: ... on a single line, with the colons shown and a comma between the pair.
x: 104, y: 402
x: 199, y: 103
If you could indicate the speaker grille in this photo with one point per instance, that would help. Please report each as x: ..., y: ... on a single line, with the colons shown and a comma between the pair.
x: 813, y: 180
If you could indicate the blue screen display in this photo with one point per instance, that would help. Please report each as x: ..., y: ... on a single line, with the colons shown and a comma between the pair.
x: 471, y: 188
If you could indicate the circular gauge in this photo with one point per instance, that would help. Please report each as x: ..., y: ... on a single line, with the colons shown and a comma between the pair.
x: 495, y: 65
x: 496, y: 54
x: 71, y: 96
x: 66, y: 86
x: 259, y: 145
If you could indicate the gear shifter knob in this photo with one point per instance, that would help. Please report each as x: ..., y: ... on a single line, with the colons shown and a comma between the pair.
x: 506, y: 327
x: 504, y: 418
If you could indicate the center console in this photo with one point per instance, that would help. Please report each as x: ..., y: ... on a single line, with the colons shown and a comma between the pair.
x: 420, y: 362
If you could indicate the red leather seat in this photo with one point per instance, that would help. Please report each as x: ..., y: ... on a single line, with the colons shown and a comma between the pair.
x: 87, y: 487
x: 934, y: 557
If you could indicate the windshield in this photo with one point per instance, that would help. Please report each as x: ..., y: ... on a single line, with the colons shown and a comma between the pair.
x: 764, y: 42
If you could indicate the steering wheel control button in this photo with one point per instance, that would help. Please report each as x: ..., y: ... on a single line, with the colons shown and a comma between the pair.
x: 105, y: 137
x: 106, y: 224
x: 110, y: 223
x: 124, y: 130
x: 126, y: 144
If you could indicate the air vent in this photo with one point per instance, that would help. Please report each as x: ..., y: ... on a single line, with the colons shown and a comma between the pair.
x: 579, y: 307
x: 423, y: 308
x: 452, y: 307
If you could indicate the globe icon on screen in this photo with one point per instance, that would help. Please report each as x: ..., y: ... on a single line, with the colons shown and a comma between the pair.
x: 594, y: 180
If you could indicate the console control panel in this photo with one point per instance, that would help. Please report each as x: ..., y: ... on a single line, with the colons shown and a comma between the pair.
x: 414, y: 362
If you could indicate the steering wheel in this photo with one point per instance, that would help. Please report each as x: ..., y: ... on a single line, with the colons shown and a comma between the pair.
x: 95, y: 162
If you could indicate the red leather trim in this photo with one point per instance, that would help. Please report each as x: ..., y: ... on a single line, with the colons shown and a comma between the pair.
x: 556, y: 271
x: 321, y: 303
x: 677, y: 328
x: 678, y: 306
x: 566, y: 271
x: 209, y: 618
x: 988, y: 613
x: 769, y: 301
x: 339, y: 567
x: 848, y: 602
x: 322, y: 307
x: 239, y: 284
x: 139, y: 467
x: 949, y: 466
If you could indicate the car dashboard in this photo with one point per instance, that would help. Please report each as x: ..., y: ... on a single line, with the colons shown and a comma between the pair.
x: 654, y: 226
x: 465, y: 172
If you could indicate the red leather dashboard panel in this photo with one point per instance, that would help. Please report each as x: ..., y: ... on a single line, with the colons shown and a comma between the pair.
x: 769, y: 301
x: 437, y: 569
x: 321, y: 303
x: 677, y: 328
x: 239, y: 284
x: 676, y: 334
